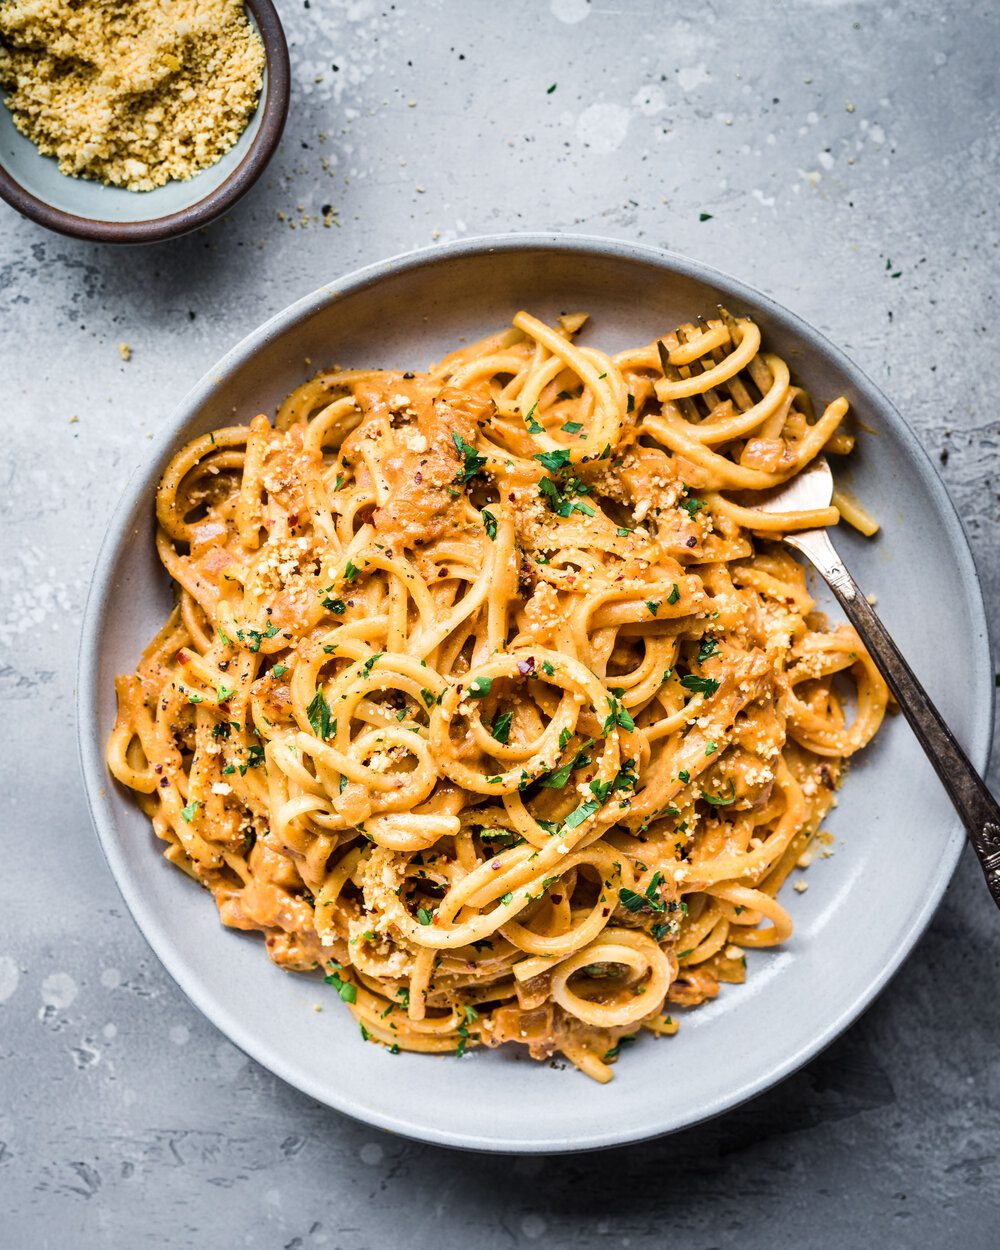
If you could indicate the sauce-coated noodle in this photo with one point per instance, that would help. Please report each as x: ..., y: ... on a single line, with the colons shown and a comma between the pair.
x: 488, y: 692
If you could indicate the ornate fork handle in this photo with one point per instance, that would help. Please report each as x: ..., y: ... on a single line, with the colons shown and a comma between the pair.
x: 978, y: 809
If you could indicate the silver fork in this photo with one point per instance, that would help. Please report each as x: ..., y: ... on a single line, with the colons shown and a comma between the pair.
x: 813, y: 488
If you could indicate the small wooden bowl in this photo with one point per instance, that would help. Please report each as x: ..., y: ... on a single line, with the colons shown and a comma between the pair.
x: 86, y: 209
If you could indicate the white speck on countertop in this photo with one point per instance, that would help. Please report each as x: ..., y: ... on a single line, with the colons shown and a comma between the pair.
x: 570, y: 11
x: 59, y: 990
x: 9, y: 977
x: 603, y: 127
x: 692, y: 76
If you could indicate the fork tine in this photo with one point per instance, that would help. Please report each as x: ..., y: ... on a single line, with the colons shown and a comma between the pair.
x: 761, y: 374
x: 687, y: 406
x: 711, y: 397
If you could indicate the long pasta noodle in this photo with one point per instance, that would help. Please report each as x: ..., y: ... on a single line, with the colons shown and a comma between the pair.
x: 491, y: 695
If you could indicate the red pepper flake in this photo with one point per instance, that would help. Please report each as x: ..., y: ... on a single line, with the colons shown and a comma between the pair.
x: 182, y: 657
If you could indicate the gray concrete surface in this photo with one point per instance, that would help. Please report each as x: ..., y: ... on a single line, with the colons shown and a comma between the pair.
x: 847, y: 156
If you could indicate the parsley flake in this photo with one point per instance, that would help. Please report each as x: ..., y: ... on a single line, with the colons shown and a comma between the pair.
x: 701, y: 685
x: 318, y: 712
x: 501, y: 727
x: 472, y: 461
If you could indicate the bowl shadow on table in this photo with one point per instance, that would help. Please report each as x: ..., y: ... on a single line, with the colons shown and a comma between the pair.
x: 152, y: 281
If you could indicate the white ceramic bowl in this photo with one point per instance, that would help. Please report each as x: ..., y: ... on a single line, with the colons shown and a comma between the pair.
x: 898, y: 838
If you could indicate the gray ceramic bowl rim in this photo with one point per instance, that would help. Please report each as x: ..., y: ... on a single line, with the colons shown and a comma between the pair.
x: 142, y: 485
x: 218, y: 201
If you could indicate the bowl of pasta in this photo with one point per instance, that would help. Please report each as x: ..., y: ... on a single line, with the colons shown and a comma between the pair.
x: 440, y: 641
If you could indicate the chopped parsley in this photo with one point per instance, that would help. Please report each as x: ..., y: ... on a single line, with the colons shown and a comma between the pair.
x: 279, y: 670
x: 424, y: 916
x: 531, y: 423
x: 506, y: 898
x: 701, y: 685
x: 548, y: 668
x: 620, y: 716
x: 707, y: 648
x: 622, y: 532
x: 711, y: 748
x: 560, y: 496
x: 692, y: 506
x: 557, y: 780
x: 189, y: 811
x: 553, y: 460
x: 318, y: 712
x: 653, y: 605
x: 719, y: 800
x: 600, y: 789
x: 256, y: 636
x: 351, y: 571
x: 501, y: 727
x: 255, y: 757
x: 346, y: 989
x: 674, y: 595
x: 472, y: 461
x: 684, y: 776
x: 572, y: 427
x: 634, y: 902
x: 500, y: 837
x: 479, y: 687
x: 581, y: 814
x: 615, y: 1050
x: 337, y: 606
x: 490, y: 522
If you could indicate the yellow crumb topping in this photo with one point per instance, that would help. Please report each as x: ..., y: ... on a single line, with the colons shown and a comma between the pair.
x: 130, y: 92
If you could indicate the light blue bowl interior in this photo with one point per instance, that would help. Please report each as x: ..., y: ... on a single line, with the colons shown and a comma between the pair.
x: 39, y: 175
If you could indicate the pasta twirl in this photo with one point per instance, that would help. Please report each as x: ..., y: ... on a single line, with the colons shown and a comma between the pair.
x: 487, y: 691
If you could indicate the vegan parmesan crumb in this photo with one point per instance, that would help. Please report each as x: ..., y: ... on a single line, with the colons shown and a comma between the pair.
x: 124, y: 351
x: 131, y: 93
